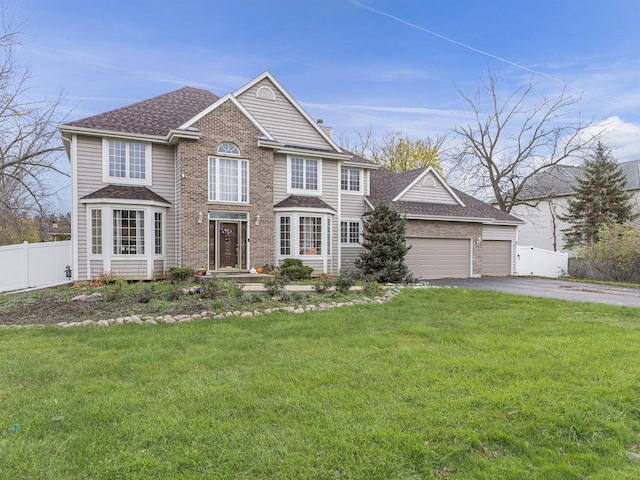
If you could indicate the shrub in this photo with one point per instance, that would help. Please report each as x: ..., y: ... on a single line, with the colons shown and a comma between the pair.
x: 249, y: 298
x: 213, y: 288
x: 616, y: 254
x: 102, y: 279
x: 179, y: 274
x: 324, y: 283
x: 372, y: 289
x: 294, y: 269
x: 144, y: 295
x: 174, y: 295
x: 116, y: 292
x: 345, y: 281
x: 275, y: 286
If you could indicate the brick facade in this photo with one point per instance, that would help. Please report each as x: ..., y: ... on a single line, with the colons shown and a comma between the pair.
x: 225, y: 124
x: 437, y: 229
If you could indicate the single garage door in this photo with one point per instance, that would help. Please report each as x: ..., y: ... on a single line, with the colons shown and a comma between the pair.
x: 496, y: 258
x: 439, y: 257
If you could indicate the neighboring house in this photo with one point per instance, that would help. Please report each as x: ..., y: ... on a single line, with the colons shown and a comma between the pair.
x: 245, y: 180
x: 546, y: 198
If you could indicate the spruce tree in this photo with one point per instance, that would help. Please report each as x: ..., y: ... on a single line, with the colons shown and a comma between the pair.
x: 386, y: 246
x: 600, y: 199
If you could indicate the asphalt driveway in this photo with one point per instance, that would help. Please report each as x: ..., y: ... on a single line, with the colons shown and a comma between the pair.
x: 551, y: 288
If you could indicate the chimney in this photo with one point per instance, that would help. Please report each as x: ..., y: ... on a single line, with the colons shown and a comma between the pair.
x: 327, y: 130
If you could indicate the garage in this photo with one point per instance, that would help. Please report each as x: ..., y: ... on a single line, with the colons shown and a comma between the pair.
x: 439, y: 257
x: 496, y: 258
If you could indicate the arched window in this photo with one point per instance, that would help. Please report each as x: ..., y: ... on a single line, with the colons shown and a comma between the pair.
x: 228, y: 149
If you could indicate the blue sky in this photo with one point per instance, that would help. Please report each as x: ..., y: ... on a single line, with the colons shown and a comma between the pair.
x: 383, y: 64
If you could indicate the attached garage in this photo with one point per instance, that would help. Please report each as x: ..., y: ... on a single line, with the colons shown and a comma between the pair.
x: 496, y: 258
x: 431, y: 258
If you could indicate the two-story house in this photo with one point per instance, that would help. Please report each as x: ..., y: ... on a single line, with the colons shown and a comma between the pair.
x: 245, y: 180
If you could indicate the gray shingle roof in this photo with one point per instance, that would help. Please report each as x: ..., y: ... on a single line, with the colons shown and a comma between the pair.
x: 154, y: 116
x: 559, y: 180
x: 386, y: 185
x: 125, y: 192
x: 301, y: 201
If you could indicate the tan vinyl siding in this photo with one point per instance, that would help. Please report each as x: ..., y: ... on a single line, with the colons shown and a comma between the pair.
x: 280, y: 118
x: 349, y: 255
x: 89, y: 179
x: 429, y: 189
x: 164, y: 184
x: 158, y: 269
x: 279, y: 178
x: 498, y: 232
x: 96, y: 268
x: 129, y: 269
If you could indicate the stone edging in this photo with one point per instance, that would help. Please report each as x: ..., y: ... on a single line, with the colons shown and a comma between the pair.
x: 150, y: 320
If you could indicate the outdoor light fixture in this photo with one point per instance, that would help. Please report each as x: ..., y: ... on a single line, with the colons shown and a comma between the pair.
x: 257, y: 219
x: 478, y: 242
x: 200, y: 217
x: 67, y: 272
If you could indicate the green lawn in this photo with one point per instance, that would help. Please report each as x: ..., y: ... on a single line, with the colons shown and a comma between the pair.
x: 438, y: 383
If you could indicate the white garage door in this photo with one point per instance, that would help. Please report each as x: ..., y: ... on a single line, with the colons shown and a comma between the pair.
x: 439, y: 257
x: 496, y: 258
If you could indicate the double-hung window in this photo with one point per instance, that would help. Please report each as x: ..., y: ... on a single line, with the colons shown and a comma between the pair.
x: 310, y: 236
x: 228, y: 180
x: 304, y: 175
x: 128, y: 232
x: 127, y: 162
x: 350, y: 232
x: 96, y: 231
x: 350, y: 180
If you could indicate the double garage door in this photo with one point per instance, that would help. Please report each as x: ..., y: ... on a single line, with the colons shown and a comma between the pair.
x: 451, y: 257
x: 439, y: 257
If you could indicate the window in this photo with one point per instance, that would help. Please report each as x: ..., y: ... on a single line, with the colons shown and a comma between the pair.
x: 128, y: 232
x: 304, y: 174
x: 228, y: 180
x: 158, y: 232
x: 285, y: 235
x: 310, y: 236
x: 228, y: 149
x: 350, y: 180
x: 96, y: 232
x: 350, y: 232
x: 127, y: 161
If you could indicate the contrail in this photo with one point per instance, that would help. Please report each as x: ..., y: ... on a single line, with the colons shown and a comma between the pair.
x: 454, y: 42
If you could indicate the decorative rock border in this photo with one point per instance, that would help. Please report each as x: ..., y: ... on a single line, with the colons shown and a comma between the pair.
x: 204, y: 315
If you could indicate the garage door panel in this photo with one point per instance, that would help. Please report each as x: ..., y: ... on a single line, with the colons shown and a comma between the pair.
x: 496, y: 258
x: 439, y: 257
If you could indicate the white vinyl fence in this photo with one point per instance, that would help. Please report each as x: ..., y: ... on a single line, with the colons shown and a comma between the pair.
x: 541, y: 262
x: 29, y: 265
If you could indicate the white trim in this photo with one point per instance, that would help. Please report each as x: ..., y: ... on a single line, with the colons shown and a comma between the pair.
x: 366, y: 166
x: 217, y: 167
x: 360, y: 181
x: 124, y: 201
x: 220, y: 101
x: 294, y: 236
x: 280, y: 147
x: 428, y: 170
x: 293, y: 102
x: 303, y: 191
x: 305, y: 210
x: 148, y: 164
x: 360, y: 232
x: 75, y: 254
x: 271, y: 97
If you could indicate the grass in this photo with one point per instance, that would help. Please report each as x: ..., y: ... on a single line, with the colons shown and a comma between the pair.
x: 438, y: 383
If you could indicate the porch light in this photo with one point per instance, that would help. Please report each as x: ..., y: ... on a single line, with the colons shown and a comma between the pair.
x: 478, y: 242
x: 200, y: 217
x: 257, y: 219
x: 67, y: 272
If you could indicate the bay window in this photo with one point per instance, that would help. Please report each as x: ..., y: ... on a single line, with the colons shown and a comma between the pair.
x: 128, y: 232
x: 310, y: 236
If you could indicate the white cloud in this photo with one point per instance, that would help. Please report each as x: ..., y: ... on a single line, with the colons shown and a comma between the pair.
x: 622, y: 137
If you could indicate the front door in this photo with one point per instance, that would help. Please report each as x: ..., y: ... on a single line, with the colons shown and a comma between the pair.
x: 228, y: 245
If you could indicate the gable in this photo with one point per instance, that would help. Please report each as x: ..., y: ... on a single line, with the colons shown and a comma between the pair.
x: 429, y: 188
x: 274, y: 110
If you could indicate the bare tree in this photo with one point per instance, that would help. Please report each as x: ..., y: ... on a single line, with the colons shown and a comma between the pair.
x: 29, y: 142
x: 509, y: 140
x: 362, y: 146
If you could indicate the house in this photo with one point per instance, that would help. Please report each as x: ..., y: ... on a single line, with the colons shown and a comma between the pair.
x: 247, y: 179
x: 546, y: 198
